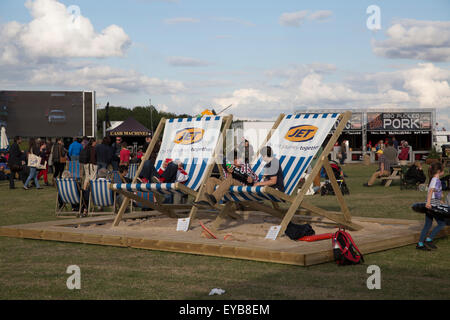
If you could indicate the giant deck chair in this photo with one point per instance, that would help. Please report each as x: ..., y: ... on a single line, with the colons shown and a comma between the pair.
x: 295, y: 140
x: 69, y: 192
x: 196, y: 143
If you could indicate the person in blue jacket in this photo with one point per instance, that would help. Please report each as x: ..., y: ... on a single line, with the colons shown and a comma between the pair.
x: 75, y: 149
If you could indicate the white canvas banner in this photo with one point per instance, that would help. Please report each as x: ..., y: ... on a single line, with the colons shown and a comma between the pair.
x: 190, y: 138
x: 301, y: 135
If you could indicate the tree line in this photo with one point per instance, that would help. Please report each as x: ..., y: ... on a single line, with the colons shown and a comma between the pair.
x: 141, y: 114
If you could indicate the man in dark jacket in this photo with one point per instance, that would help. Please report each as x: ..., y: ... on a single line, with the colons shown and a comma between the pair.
x: 14, y: 162
x: 104, y: 153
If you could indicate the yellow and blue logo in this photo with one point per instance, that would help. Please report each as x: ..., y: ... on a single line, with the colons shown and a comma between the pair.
x: 301, y: 133
x: 189, y: 136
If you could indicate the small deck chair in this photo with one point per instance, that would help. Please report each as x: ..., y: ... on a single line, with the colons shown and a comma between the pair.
x: 100, y: 195
x: 74, y: 169
x: 193, y: 141
x: 69, y: 192
x: 295, y: 139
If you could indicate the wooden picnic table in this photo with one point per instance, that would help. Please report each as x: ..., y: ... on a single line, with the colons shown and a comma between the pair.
x: 395, y: 175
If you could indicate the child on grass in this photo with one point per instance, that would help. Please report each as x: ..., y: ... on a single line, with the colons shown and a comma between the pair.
x: 434, y: 198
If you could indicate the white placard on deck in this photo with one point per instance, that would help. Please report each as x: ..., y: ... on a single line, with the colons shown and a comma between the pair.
x: 183, y: 224
x: 273, y: 232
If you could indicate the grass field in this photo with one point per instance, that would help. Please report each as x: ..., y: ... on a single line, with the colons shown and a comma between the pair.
x: 32, y: 269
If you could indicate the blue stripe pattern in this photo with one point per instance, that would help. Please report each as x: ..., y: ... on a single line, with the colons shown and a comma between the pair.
x: 74, y: 169
x: 132, y: 168
x: 68, y: 191
x: 101, y: 195
x: 161, y: 188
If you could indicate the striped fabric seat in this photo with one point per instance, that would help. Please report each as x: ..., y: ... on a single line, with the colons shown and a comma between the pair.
x: 74, y: 169
x: 293, y: 165
x: 101, y: 195
x: 132, y: 170
x: 145, y: 195
x: 245, y: 193
x: 161, y: 188
x: 115, y: 176
x: 68, y: 191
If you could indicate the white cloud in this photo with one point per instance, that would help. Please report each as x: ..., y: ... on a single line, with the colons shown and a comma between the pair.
x: 181, y: 20
x: 421, y: 86
x: 416, y: 39
x: 293, y: 19
x: 55, y: 33
x: 186, y: 62
x: 104, y: 79
x: 234, y: 21
x: 321, y: 15
x: 296, y: 19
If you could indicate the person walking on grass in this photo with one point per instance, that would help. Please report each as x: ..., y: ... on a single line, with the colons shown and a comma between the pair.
x: 75, y: 149
x: 14, y: 161
x: 58, y: 159
x: 33, y: 150
x: 44, y: 160
x: 434, y: 197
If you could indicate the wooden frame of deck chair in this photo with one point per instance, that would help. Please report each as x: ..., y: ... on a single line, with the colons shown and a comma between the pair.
x: 101, y: 195
x: 303, y: 132
x: 70, y: 192
x: 199, y: 138
x: 115, y: 177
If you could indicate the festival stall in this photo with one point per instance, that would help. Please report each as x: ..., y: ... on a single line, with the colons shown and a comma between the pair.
x: 413, y: 127
x: 131, y: 131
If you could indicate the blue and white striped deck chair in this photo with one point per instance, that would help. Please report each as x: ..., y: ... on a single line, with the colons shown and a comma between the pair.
x: 100, y: 195
x: 74, y: 169
x: 69, y: 192
x: 194, y: 142
x: 294, y: 142
x: 132, y: 168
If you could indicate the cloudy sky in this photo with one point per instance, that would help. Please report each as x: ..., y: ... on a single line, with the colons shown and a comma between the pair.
x: 264, y: 57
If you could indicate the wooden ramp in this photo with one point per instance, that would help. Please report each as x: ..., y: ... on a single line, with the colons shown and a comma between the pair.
x: 242, y: 238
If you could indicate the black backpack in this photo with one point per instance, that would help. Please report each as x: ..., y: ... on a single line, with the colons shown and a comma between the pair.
x: 345, y: 250
x: 85, y: 155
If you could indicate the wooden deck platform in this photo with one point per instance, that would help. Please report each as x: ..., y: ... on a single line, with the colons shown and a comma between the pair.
x: 244, y: 237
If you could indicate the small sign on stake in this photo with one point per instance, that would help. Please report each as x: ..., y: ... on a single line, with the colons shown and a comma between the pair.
x: 273, y: 232
x: 183, y: 224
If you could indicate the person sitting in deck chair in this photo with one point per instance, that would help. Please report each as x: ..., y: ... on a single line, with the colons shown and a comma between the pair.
x: 272, y: 173
x: 67, y: 175
x: 212, y: 195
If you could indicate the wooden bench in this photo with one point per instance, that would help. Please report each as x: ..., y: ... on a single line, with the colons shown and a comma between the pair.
x: 395, y: 175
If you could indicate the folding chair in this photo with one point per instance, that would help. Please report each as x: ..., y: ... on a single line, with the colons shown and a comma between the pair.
x: 295, y: 139
x: 68, y: 190
x: 100, y: 195
x: 193, y: 141
x: 75, y: 169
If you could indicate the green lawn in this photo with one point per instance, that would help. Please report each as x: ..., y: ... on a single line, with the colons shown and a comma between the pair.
x: 32, y: 269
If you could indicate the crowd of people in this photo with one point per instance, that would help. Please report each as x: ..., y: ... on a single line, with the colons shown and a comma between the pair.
x: 53, y: 155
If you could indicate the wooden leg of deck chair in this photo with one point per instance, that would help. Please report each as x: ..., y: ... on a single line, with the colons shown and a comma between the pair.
x: 337, y: 190
x: 89, y: 204
x: 145, y: 157
x: 278, y: 213
x: 222, y: 216
x: 159, y: 208
x: 336, y: 217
